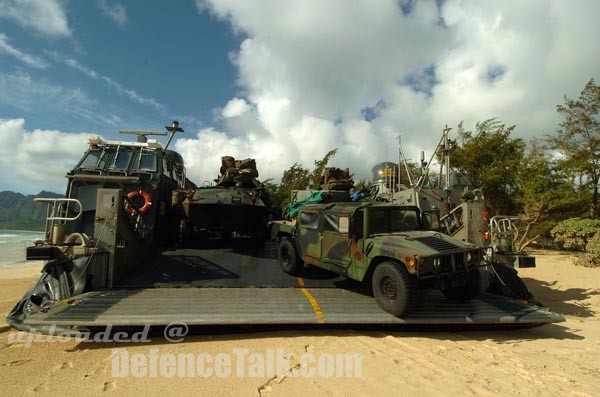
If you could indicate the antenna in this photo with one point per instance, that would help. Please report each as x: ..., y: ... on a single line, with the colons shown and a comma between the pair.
x: 446, y: 151
x: 403, y: 159
x: 172, y: 129
x: 142, y: 135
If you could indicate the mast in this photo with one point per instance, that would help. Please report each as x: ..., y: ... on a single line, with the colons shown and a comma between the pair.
x: 446, y: 161
x: 172, y: 129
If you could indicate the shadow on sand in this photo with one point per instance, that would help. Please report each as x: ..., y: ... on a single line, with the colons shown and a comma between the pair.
x: 569, y: 302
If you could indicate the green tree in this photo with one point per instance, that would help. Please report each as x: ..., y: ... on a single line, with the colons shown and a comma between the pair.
x: 578, y: 140
x: 294, y: 178
x: 297, y: 178
x: 543, y: 194
x: 490, y: 158
x: 320, y: 166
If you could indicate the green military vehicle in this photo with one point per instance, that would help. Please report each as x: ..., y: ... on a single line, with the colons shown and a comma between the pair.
x: 238, y: 205
x: 389, y: 246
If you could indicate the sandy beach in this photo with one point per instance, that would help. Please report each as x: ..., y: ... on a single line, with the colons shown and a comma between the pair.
x: 551, y: 360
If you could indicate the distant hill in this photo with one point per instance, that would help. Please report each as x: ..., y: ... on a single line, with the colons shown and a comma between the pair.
x: 20, y: 212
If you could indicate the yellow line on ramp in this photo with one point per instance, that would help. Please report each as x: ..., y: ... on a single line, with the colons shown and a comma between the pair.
x: 313, y: 302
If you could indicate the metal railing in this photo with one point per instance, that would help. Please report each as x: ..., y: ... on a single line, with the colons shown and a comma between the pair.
x: 57, y: 216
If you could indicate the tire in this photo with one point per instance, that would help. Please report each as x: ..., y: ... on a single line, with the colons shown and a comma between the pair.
x: 394, y: 289
x: 288, y: 257
x: 468, y: 291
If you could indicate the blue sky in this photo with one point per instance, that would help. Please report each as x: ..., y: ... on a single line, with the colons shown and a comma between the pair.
x: 279, y: 81
x: 174, y: 58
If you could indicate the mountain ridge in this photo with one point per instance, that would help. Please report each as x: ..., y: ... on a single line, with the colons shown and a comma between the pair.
x: 20, y: 212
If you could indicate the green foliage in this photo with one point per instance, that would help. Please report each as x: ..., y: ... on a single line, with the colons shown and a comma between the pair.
x: 20, y: 212
x: 320, y: 166
x: 490, y: 158
x: 362, y: 184
x: 591, y: 258
x: 297, y: 178
x: 578, y: 140
x: 541, y: 193
x: 575, y: 233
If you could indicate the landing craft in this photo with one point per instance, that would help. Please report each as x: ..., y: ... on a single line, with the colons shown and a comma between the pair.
x: 116, y: 208
x: 111, y: 258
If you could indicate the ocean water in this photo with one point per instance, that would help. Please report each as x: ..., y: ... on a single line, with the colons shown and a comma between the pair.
x: 13, y: 244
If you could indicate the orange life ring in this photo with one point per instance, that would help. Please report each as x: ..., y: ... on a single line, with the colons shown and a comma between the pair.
x: 147, y: 202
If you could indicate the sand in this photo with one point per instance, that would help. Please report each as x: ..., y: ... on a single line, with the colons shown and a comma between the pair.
x: 557, y: 359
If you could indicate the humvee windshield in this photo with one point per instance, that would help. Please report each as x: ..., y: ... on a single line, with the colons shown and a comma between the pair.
x: 393, y: 219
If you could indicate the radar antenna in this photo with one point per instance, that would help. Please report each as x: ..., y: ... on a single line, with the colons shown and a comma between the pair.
x: 142, y: 136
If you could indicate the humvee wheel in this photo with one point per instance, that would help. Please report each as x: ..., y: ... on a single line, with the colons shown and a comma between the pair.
x: 468, y: 291
x: 288, y: 257
x: 394, y: 289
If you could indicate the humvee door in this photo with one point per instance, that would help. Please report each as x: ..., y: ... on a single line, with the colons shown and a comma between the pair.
x: 309, y: 241
x: 336, y: 240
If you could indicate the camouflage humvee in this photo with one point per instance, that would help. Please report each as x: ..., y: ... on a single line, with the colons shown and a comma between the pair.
x: 381, y: 243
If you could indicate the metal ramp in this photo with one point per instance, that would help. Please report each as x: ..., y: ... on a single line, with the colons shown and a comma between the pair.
x: 300, y: 305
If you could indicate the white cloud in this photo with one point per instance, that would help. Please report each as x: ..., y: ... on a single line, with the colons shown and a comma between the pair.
x: 23, y: 92
x: 37, y: 160
x: 31, y: 60
x: 44, y: 16
x: 234, y: 108
x: 354, y: 75
x: 114, y: 85
x: 115, y: 11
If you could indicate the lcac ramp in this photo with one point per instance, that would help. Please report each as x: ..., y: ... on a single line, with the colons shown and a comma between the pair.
x: 300, y: 305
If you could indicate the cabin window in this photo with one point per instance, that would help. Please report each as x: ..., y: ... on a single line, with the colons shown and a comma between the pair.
x: 330, y: 222
x: 167, y: 168
x: 105, y: 158
x: 91, y: 159
x: 431, y: 220
x: 404, y: 220
x: 336, y: 223
x: 393, y: 220
x: 378, y: 221
x: 357, y: 224
x: 309, y: 220
x: 123, y: 159
x: 148, y: 162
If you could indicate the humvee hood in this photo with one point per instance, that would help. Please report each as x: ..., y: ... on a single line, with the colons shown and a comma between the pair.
x: 409, y: 244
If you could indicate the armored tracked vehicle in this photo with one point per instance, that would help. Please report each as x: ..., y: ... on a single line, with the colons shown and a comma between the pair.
x: 237, y: 205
